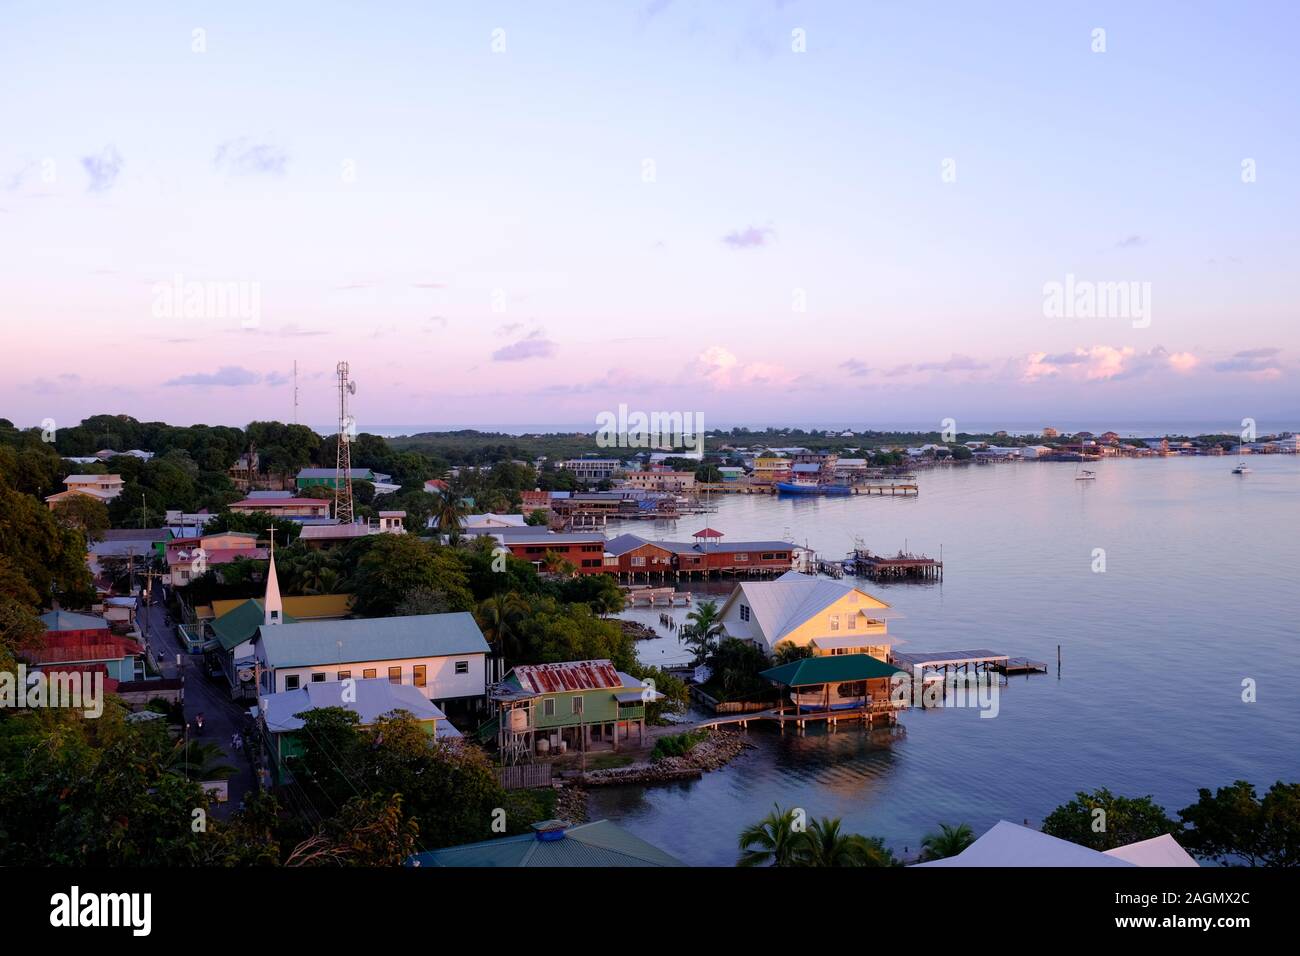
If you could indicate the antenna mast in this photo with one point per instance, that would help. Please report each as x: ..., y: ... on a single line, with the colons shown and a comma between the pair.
x: 343, y: 468
x: 295, y: 391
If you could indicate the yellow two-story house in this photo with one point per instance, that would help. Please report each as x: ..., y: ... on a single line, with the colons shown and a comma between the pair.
x: 830, y: 617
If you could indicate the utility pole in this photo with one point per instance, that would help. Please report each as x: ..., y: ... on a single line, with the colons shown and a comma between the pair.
x: 295, y: 391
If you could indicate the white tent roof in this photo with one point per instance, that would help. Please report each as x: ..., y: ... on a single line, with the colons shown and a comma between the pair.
x: 1009, y: 844
x: 1158, y: 851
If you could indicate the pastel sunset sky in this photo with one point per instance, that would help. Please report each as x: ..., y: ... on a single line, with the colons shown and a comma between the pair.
x: 532, y: 212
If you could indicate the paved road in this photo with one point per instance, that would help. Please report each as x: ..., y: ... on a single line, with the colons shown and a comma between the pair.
x: 222, y: 717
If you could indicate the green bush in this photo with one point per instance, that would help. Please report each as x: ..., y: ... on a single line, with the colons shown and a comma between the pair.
x: 677, y: 745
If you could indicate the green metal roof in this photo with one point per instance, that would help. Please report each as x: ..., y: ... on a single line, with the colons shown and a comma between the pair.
x: 831, y: 669
x: 599, y: 843
x: 240, y: 624
x: 307, y: 643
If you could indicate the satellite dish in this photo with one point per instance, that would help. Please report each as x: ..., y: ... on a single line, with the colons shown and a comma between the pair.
x: 352, y: 388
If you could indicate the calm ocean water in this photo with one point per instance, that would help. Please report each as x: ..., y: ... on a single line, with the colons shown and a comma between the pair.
x: 1198, y: 594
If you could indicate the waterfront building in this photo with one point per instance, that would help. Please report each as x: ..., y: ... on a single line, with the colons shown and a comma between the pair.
x: 550, y: 708
x: 771, y: 468
x: 830, y: 617
x: 634, y: 557
x: 661, y: 480
x: 854, y: 685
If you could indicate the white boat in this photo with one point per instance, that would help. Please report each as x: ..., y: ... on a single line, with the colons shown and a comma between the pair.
x: 1241, y: 469
x: 849, y: 695
x: 1086, y: 475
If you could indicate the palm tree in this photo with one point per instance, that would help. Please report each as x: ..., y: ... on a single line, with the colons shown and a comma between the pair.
x: 773, y: 841
x: 196, y: 760
x: 556, y: 563
x: 448, y: 513
x: 825, y: 844
x: 702, y: 630
x: 499, y: 618
x: 949, y: 841
x: 788, y: 651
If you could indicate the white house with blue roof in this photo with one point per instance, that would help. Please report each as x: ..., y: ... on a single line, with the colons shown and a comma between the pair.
x: 443, y: 656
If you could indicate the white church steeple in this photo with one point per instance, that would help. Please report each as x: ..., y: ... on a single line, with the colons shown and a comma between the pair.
x: 272, y: 604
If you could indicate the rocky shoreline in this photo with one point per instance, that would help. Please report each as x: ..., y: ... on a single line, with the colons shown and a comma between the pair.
x: 638, y: 631
x: 719, y: 749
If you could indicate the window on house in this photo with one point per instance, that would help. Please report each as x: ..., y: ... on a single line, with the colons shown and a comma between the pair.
x: 577, y: 704
x: 420, y: 674
x: 318, y: 678
x: 835, y: 622
x: 369, y: 673
x: 394, y: 675
x: 345, y: 675
x: 638, y: 562
x: 548, y: 707
x: 744, y: 612
x: 462, y: 667
x: 291, y: 682
x: 742, y: 556
x: 853, y: 622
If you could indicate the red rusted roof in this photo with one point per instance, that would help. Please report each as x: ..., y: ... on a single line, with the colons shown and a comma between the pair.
x: 60, y: 652
x: 707, y: 533
x: 568, y: 676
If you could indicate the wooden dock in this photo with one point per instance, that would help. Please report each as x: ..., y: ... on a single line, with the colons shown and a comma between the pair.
x: 890, y: 489
x: 657, y: 597
x: 882, y: 710
x: 900, y: 567
x: 967, y: 661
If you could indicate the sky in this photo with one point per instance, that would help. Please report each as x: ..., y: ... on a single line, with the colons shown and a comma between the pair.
x: 766, y: 212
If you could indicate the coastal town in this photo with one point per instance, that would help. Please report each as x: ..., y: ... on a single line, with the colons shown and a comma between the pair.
x: 754, y: 439
x: 242, y: 621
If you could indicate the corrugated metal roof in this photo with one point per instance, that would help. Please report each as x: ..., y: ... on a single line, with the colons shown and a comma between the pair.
x: 567, y: 676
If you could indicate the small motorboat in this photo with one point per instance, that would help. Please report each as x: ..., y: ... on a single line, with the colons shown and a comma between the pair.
x: 1241, y: 469
x: 1086, y: 475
